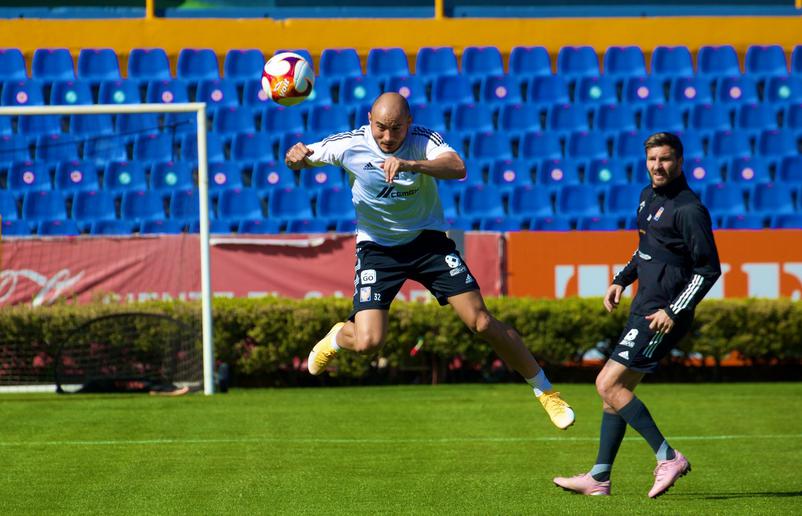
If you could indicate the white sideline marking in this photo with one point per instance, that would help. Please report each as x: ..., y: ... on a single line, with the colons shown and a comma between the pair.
x: 312, y: 440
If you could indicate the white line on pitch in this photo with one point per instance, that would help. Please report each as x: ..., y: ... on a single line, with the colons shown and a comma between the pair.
x: 313, y: 440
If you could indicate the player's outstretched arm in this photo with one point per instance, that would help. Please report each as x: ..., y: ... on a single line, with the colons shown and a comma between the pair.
x: 295, y: 159
x: 445, y: 166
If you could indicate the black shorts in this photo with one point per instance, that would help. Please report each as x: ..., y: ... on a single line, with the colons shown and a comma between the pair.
x: 431, y: 259
x: 641, y: 349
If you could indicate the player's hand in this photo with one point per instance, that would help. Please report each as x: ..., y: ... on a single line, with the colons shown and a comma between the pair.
x: 660, y: 321
x: 296, y: 156
x: 613, y: 297
x: 392, y: 166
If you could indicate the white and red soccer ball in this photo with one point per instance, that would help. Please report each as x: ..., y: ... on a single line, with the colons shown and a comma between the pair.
x: 288, y: 78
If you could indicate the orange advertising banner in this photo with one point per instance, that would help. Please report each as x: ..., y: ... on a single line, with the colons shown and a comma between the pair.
x: 759, y: 263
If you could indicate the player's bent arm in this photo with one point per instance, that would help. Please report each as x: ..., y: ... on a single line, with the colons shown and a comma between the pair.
x: 296, y: 157
x: 445, y: 166
x: 629, y: 273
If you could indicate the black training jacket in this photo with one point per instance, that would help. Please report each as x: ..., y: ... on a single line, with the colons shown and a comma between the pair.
x: 676, y: 262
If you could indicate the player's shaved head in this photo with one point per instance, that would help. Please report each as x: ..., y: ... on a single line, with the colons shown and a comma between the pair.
x: 390, y: 121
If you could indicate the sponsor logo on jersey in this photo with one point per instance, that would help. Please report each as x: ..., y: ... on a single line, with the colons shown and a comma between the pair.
x: 642, y: 205
x: 453, y: 261
x: 390, y: 191
x: 468, y: 279
x: 456, y: 271
x: 364, y: 294
x: 657, y: 215
x: 368, y: 276
x: 624, y: 354
x: 369, y: 166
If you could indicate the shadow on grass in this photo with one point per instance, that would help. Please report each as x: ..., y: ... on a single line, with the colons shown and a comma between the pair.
x: 730, y: 496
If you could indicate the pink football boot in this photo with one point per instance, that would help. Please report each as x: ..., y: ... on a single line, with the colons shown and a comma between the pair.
x: 667, y: 472
x: 583, y: 484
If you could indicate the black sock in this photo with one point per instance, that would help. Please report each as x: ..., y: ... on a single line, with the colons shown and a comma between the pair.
x: 637, y: 416
x: 613, y: 427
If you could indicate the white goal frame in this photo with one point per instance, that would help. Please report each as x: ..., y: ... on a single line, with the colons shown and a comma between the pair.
x: 199, y: 108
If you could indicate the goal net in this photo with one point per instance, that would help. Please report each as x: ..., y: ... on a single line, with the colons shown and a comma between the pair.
x: 106, y: 204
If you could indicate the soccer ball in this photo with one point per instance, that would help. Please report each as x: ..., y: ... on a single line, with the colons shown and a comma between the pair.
x: 288, y: 78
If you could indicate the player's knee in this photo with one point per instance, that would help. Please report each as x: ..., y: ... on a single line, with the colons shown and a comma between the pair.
x: 604, y: 387
x: 481, y: 322
x: 368, y: 342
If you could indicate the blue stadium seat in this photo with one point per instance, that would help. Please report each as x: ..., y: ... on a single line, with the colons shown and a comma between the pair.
x: 214, y: 148
x: 361, y: 112
x: 461, y: 223
x: 452, y: 89
x: 289, y: 139
x: 556, y: 173
x: 289, y: 204
x: 566, y: 118
x: 184, y: 205
x: 555, y: 223
x: 730, y: 144
x: 755, y: 117
x: 748, y: 171
x: 15, y: 228
x: 662, y: 117
x: 173, y: 91
x: 614, y: 118
x: 672, y: 62
x: 118, y: 92
x: 224, y: 175
x: 322, y: 92
x: 764, y: 61
x: 43, y: 205
x: 540, y: 145
x: 743, y: 221
x: 575, y: 62
x: 622, y: 200
x: 315, y: 179
x: 499, y: 89
x: 259, y: 227
x: 22, y: 93
x: 329, y: 119
x: 148, y: 64
x: 38, y: 125
x: 596, y: 90
x: 359, y: 89
x: 604, y: 172
x: 98, y: 64
x: 166, y: 176
x: 179, y: 124
x: 435, y: 61
x: 598, y: 223
x: 253, y: 95
x: 783, y: 90
x: 269, y: 175
x: 121, y: 176
x: 478, y: 62
x: 472, y: 117
x: 481, y: 201
x: 197, y: 64
x: 142, y: 205
x: 447, y: 201
x: 28, y: 176
x: 65, y: 93
x: 104, y: 150
x: 693, y: 143
x: 58, y: 228
x: 643, y: 90
x: 629, y: 144
x: 161, y: 227
x: 702, y: 171
x: 217, y: 93
x: 280, y: 119
x: 789, y: 170
x: 507, y: 174
x: 490, y: 145
x: 307, y: 226
x: 547, y: 89
x: 431, y: 116
x: 411, y: 87
x: 53, y: 148
x: 52, y: 64
x: 215, y: 226
x: 691, y: 90
x: 526, y: 62
x: 709, y: 118
x: 622, y: 62
x: 719, y: 61
x: 334, y: 203
x: 153, y: 147
x: 771, y: 199
x: 345, y: 226
x: 250, y: 147
x: 786, y: 221
x: 384, y: 63
x: 586, y: 145
x: 737, y: 90
x: 91, y: 206
x: 5, y: 124
x: 792, y: 117
x: 8, y: 206
x: 724, y: 199
x: 776, y: 143
x: 340, y: 62
x: 578, y: 201
x: 231, y: 120
x: 243, y: 65
x: 12, y: 65
x: 506, y: 223
x: 519, y: 118
x: 91, y: 125
x: 530, y: 201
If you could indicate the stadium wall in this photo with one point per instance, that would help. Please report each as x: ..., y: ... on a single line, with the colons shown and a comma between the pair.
x: 410, y: 34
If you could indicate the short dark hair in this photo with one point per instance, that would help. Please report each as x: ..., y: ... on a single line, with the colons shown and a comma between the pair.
x: 664, y: 139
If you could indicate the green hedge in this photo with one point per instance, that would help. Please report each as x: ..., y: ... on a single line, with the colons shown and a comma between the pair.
x: 265, y: 338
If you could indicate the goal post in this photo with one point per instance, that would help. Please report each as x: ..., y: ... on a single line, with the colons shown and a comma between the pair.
x: 199, y: 108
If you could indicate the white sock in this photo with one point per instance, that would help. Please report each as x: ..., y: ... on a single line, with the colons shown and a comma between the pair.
x: 334, y: 344
x: 539, y: 383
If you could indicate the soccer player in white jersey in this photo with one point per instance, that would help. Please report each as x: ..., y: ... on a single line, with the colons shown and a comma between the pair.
x: 401, y: 234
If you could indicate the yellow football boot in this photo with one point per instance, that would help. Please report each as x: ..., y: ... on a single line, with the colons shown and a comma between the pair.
x: 558, y: 410
x: 323, y: 352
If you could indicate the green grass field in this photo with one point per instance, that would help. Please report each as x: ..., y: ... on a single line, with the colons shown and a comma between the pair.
x: 454, y: 449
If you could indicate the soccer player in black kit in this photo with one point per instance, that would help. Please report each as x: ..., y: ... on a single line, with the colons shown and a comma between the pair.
x: 676, y: 264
